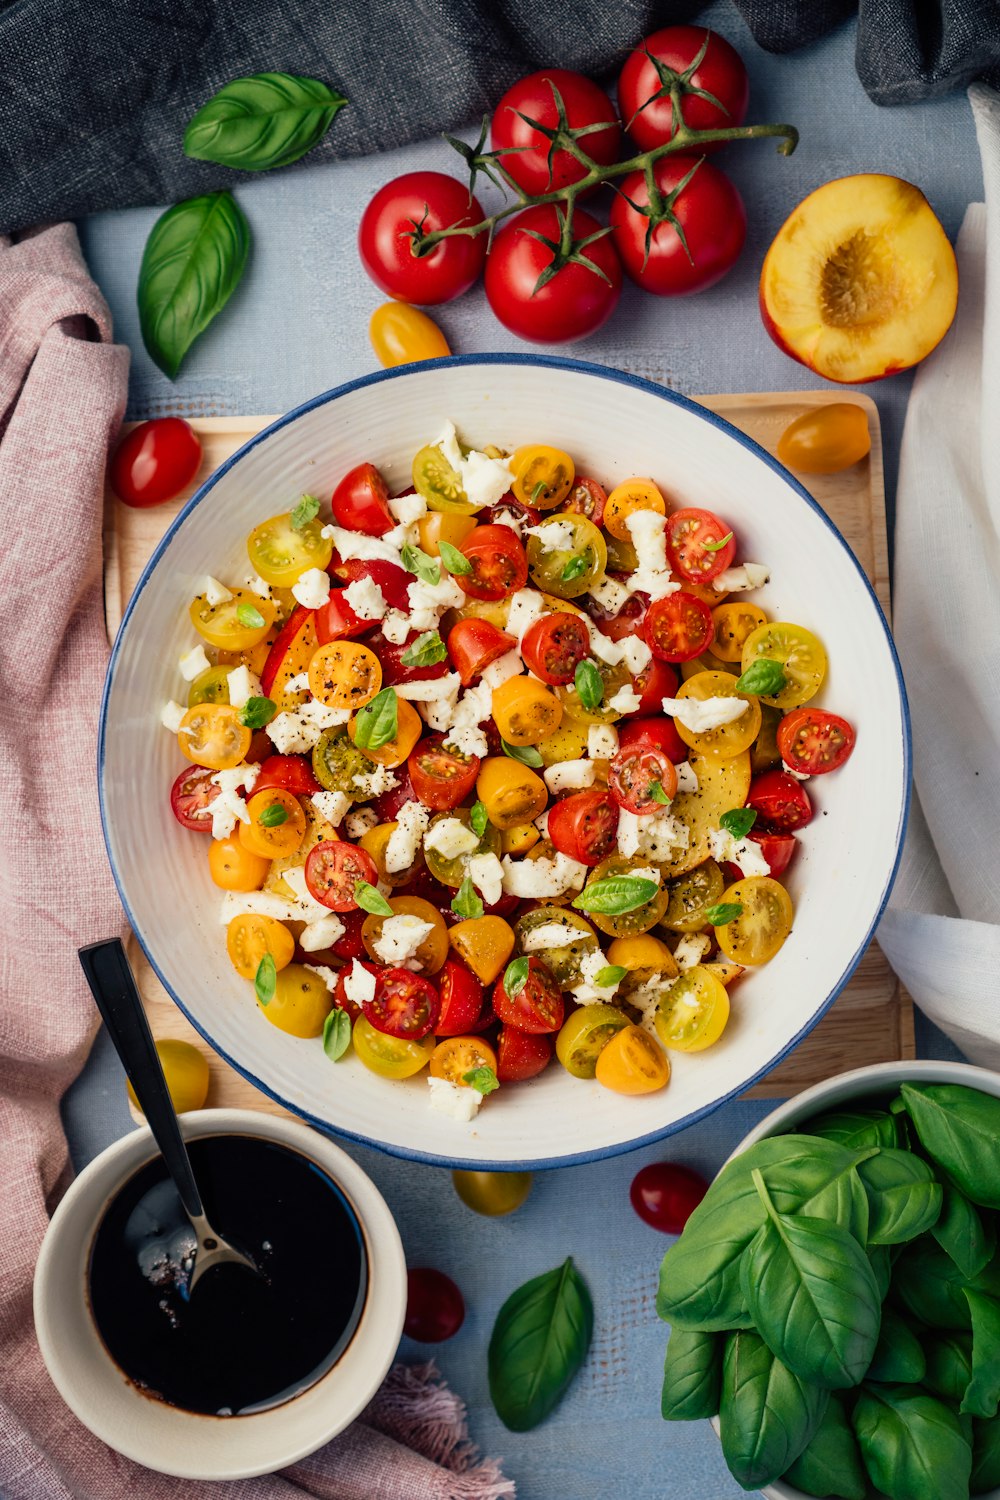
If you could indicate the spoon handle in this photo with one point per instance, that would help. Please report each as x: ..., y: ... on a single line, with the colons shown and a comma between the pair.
x: 114, y: 989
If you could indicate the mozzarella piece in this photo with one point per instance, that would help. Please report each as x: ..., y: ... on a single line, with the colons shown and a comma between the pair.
x: 235, y: 777
x: 309, y: 909
x: 687, y: 781
x: 526, y: 606
x: 647, y: 872
x: 399, y: 940
x: 456, y: 1100
x: 691, y: 950
x: 359, y: 984
x: 635, y: 654
x: 486, y: 873
x: 258, y: 903
x: 503, y: 669
x: 602, y: 741
x: 625, y: 701
x: 474, y: 706
x: 216, y: 593
x: 312, y: 590
x: 550, y: 935
x: 396, y: 626
x: 321, y: 933
x: 430, y: 690
x: 332, y: 806
x: 699, y: 714
x: 647, y: 531
x: 298, y: 684
x: 325, y: 973
x: 172, y: 715
x: 485, y: 480
x: 537, y: 878
x: 366, y: 599
x: 258, y: 585
x: 628, y: 833
x: 407, y: 508
x: 603, y: 647
x: 507, y: 517
x: 358, y: 823
x: 745, y: 853
x: 298, y: 730
x: 229, y: 808
x: 611, y: 595
x: 374, y: 782
x: 653, y: 836
x: 553, y: 536
x: 588, y: 991
x: 243, y: 685
x: 569, y: 776
x: 739, y: 580
x: 193, y: 663
x: 405, y: 839
x: 428, y: 601
x: 450, y: 838
x: 353, y: 544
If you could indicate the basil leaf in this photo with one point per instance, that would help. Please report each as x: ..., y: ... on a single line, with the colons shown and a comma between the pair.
x: 881, y: 1263
x: 830, y: 1463
x: 574, y: 568
x: 857, y: 1128
x: 427, y: 650
x: 515, y: 976
x: 692, y: 1376
x: 539, y: 1341
x: 194, y: 257
x: 250, y: 615
x: 467, y: 902
x: 962, y: 1231
x: 903, y: 1198
x: 307, y: 510
x: 370, y: 899
x: 620, y: 894
x: 983, y: 1395
x: 266, y: 979
x: 904, y: 1437
x: 478, y: 819
x: 718, y: 546
x: 336, y: 1033
x: 378, y: 722
x: 738, y: 821
x: 273, y: 816
x: 263, y: 121
x: 454, y: 561
x: 526, y: 754
x: 948, y: 1366
x: 658, y: 794
x: 723, y: 912
x: 985, y: 1456
x: 256, y: 712
x: 767, y: 1415
x: 483, y: 1080
x: 762, y: 676
x: 899, y: 1358
x: 928, y: 1285
x: 589, y: 684
x: 605, y: 978
x: 416, y: 561
x: 959, y: 1129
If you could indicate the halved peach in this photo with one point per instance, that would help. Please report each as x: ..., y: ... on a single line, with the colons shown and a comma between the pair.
x: 861, y: 280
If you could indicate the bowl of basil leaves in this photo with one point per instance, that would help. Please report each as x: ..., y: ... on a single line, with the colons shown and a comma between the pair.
x: 834, y: 1301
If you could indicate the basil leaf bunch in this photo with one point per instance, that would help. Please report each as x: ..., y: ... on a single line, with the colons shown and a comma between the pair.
x: 539, y: 1341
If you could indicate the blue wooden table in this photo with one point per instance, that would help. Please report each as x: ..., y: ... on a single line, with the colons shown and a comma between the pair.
x: 298, y: 325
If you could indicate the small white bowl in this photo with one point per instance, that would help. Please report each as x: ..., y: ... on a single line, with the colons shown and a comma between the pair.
x: 849, y: 1088
x: 188, y: 1444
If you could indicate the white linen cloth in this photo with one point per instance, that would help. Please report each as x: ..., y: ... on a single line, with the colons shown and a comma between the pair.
x: 941, y: 932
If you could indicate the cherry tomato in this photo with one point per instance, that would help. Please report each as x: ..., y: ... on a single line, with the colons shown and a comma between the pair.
x: 554, y: 646
x: 655, y: 682
x: 291, y: 652
x: 185, y: 1070
x: 281, y: 552
x: 716, y: 96
x: 660, y: 732
x: 403, y: 335
x: 635, y: 773
x: 473, y: 644
x: 441, y: 778
x: 777, y: 848
x: 154, y: 462
x: 780, y: 800
x: 525, y: 711
x: 583, y: 825
x: 709, y: 214
x: 385, y: 238
x: 340, y: 995
x: 499, y: 563
x: 220, y: 624
x: 458, y: 1055
x: 826, y: 440
x: 211, y: 734
x: 435, y: 1308
x: 800, y: 653
x: 404, y: 1005
x: 461, y: 999
x: 521, y: 1054
x: 394, y: 670
x: 586, y: 498
x: 485, y: 944
x: 529, y: 163
x: 190, y: 795
x: 344, y: 674
x: 293, y: 773
x: 537, y: 1006
x: 273, y: 839
x: 492, y: 1194
x: 234, y: 868
x: 813, y: 741
x: 575, y: 302
x: 633, y: 1062
x: 337, y: 621
x: 361, y: 502
x: 387, y: 804
x: 678, y: 628
x: 332, y: 871
x: 509, y: 510
x: 665, y: 1195
x: 763, y: 923
x: 390, y: 1056
x: 249, y: 937
x: 699, y: 545
x: 627, y: 621
x: 393, y: 582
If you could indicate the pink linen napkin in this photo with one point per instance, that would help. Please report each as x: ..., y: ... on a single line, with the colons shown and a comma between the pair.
x: 62, y: 396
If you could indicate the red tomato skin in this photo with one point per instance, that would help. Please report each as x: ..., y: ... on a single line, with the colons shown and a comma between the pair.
x: 628, y: 620
x: 349, y: 944
x: 361, y: 502
x: 661, y: 732
x: 781, y: 801
x: 501, y: 513
x: 347, y: 863
x: 538, y: 1007
x: 490, y: 578
x: 337, y: 621
x: 711, y: 564
x: 293, y: 773
x: 665, y: 1195
x: 803, y: 737
x: 437, y: 793
x: 653, y: 684
x: 562, y: 636
x: 394, y: 671
x: 282, y: 645
x: 777, y: 848
x: 461, y: 999
x: 414, y: 1016
x: 191, y: 792
x: 154, y: 462
x: 574, y: 304
x: 387, y: 804
x: 387, y: 224
x: 340, y: 994
x: 720, y: 73
x: 472, y: 645
x: 583, y: 826
x: 585, y: 104
x: 435, y: 1308
x: 678, y: 628
x: 586, y: 498
x: 394, y: 582
x: 521, y: 1054
x: 709, y: 210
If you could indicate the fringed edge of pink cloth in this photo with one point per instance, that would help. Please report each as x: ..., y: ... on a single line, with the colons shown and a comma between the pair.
x: 415, y: 1407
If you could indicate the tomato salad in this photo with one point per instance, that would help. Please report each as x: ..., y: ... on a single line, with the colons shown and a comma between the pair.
x: 504, y: 768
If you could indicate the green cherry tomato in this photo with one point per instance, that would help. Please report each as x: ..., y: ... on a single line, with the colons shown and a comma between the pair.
x: 210, y: 686
x: 492, y: 1194
x: 570, y: 571
x: 585, y: 1035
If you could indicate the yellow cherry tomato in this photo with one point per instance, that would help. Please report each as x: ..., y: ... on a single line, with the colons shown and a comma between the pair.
x: 826, y: 440
x: 632, y: 1062
x: 525, y: 711
x: 613, y: 679
x: 568, y: 743
x: 390, y: 1056
x: 728, y: 739
x: 543, y: 476
x: 691, y: 895
x: 571, y: 570
x: 236, y: 624
x: 234, y: 868
x: 764, y: 922
x: 641, y: 918
x: 625, y: 500
x: 583, y: 1037
x: 281, y: 552
x: 186, y: 1072
x: 641, y: 952
x: 518, y: 839
x: 708, y: 662
x: 458, y: 1055
x: 249, y: 937
x: 622, y: 556
x: 211, y: 735
x: 798, y: 651
x: 512, y: 793
x: 254, y: 657
x: 733, y: 623
x: 210, y: 686
x: 375, y: 841
x: 344, y: 674
x: 566, y: 959
x: 432, y: 951
x: 440, y: 484
x: 443, y: 526
x: 492, y: 1194
x: 485, y: 944
x: 402, y: 335
x: 301, y: 1002
x: 409, y: 728
x: 692, y: 1015
x: 277, y: 824
x: 336, y: 760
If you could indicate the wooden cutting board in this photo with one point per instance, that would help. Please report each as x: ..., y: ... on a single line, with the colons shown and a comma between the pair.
x: 872, y: 1021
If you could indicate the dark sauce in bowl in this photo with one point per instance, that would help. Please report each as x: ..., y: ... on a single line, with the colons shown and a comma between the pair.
x: 240, y: 1343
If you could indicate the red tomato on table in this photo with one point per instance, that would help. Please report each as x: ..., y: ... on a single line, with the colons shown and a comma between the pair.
x: 665, y: 1195
x: 575, y: 302
x: 154, y: 462
x: 385, y: 238
x: 529, y: 162
x: 720, y: 88
x: 710, y: 215
x: 435, y: 1308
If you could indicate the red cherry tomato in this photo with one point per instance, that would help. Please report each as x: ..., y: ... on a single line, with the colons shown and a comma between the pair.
x: 293, y: 773
x: 781, y: 801
x: 634, y: 774
x: 653, y: 684
x: 339, y: 992
x: 586, y: 498
x: 385, y: 238
x: 660, y: 732
x: 627, y: 621
x: 537, y: 1006
x: 361, y: 502
x: 665, y: 1195
x: 395, y: 670
x: 679, y: 627
x: 337, y: 621
x: 813, y: 741
x: 350, y: 943
x: 332, y: 871
x: 190, y: 795
x: 285, y: 640
x: 510, y: 509
x: 394, y: 582
x: 521, y: 1054
x: 473, y: 644
x: 499, y: 563
x: 720, y: 77
x: 554, y: 646
x: 529, y: 163
x: 777, y: 848
x: 387, y: 804
x: 435, y: 1308
x: 575, y: 302
x: 404, y: 1005
x: 154, y: 462
x: 699, y: 545
x: 461, y: 999
x: 583, y: 826
x: 711, y: 217
x: 441, y: 778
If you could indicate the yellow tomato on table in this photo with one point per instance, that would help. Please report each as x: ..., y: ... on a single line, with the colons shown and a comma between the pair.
x: 826, y: 440
x: 402, y: 335
x: 186, y: 1072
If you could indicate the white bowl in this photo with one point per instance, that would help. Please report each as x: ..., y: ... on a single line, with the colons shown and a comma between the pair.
x: 882, y: 1079
x: 188, y: 1444
x: 615, y: 426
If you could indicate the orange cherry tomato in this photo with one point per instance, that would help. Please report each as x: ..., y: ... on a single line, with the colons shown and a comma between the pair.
x: 433, y: 949
x: 543, y: 476
x: 443, y: 526
x: 826, y: 440
x: 485, y: 943
x: 249, y: 937
x: 633, y: 1063
x: 236, y: 868
x: 211, y: 735
x: 458, y: 1055
x: 402, y: 335
x: 524, y: 711
x: 512, y: 793
x: 344, y: 674
x: 625, y: 500
x: 277, y: 824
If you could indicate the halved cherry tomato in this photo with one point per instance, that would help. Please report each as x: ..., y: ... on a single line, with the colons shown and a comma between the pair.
x: 665, y: 1195
x: 524, y: 711
x: 458, y: 1055
x: 634, y: 775
x: 543, y: 476
x: 281, y: 552
x: 587, y: 498
x: 233, y: 867
x: 583, y: 825
x: 798, y: 651
x: 777, y: 848
x: 511, y: 793
x: 627, y: 621
x: 633, y: 1063
x: 485, y: 943
x: 537, y: 1006
x: 277, y: 824
x: 725, y: 739
x: 249, y: 937
x: 154, y: 462
x: 625, y: 500
x: 733, y: 623
x: 333, y: 870
x: 441, y: 778
x: 344, y: 674
x: 361, y: 502
x: 694, y: 1012
x: 661, y: 733
x: 473, y: 644
x: 390, y: 1056
x: 699, y: 545
x: 293, y: 773
x: 393, y: 582
x: 782, y: 801
x: 337, y: 621
x: 461, y: 999
x: 404, y: 1005
x: 211, y: 735
x: 221, y: 626
x: 394, y: 670
x: 653, y: 684
x: 290, y: 653
x: 499, y: 563
x: 190, y: 795
x: 554, y: 646
x: 439, y: 526
x: 763, y: 923
x: 521, y: 1054
x: 584, y: 1036
x: 813, y: 740
x: 679, y: 627
x: 409, y: 727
